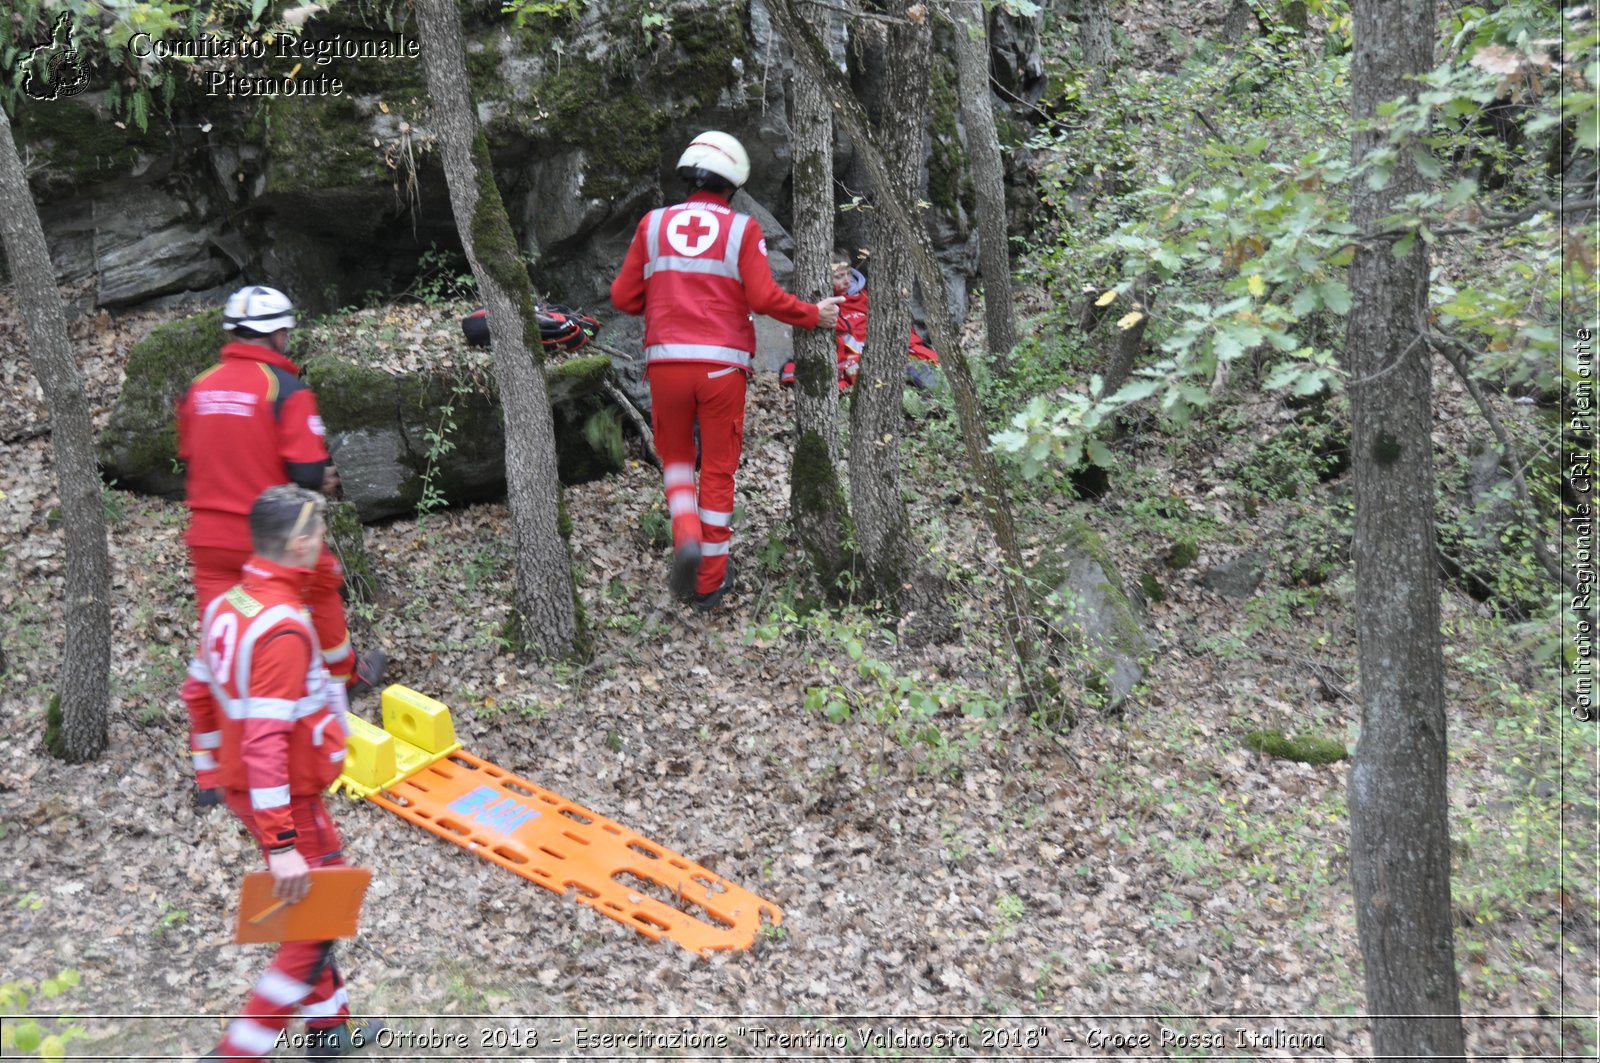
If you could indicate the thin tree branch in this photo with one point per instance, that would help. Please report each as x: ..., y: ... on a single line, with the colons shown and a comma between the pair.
x: 1395, y: 363
x: 1455, y: 353
x: 631, y: 411
x: 1497, y: 223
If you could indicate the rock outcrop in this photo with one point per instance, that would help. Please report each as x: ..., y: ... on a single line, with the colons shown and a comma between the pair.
x: 429, y: 437
x: 1097, y: 640
x: 329, y: 197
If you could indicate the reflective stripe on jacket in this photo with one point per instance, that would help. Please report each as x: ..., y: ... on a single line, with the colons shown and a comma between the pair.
x: 264, y: 709
x: 695, y: 310
x: 697, y: 271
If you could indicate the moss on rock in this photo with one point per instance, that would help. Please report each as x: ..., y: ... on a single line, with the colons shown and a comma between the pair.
x: 589, y: 441
x: 950, y: 189
x: 1182, y: 554
x: 316, y: 143
x: 1307, y: 750
x: 139, y: 446
x: 640, y: 86
x: 379, y: 427
x: 78, y: 144
x: 1077, y: 582
x: 584, y: 375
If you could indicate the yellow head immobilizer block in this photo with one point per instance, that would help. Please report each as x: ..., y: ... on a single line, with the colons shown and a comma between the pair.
x: 417, y: 719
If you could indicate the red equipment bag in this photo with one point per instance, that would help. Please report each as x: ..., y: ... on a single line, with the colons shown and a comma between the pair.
x: 561, y: 328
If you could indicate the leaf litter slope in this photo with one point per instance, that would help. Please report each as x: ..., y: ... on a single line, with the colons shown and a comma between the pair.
x: 1151, y: 865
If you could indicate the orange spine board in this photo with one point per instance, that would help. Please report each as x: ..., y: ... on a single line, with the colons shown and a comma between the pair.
x: 563, y: 846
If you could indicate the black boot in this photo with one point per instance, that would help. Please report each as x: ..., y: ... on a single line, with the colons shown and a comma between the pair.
x: 685, y: 566
x: 369, y: 672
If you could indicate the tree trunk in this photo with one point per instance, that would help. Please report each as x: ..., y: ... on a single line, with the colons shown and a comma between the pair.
x: 812, y: 54
x: 546, y: 617
x: 1241, y: 20
x: 892, y: 564
x: 76, y: 728
x: 866, y: 63
x: 817, y: 504
x: 1094, y: 32
x: 1399, y: 830
x: 988, y: 178
x: 1126, y: 343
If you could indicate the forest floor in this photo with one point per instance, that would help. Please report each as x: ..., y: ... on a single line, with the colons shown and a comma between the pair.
x: 971, y: 885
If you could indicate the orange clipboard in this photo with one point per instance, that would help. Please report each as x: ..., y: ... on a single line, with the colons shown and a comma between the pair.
x: 331, y: 909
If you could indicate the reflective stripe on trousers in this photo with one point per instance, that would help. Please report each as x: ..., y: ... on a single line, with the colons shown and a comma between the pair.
x: 683, y: 396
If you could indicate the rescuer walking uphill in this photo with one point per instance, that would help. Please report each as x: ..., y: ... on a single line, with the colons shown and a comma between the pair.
x: 246, y: 424
x: 697, y: 271
x: 266, y: 709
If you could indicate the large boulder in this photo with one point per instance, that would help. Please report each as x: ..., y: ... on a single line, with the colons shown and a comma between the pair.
x: 119, y: 219
x: 424, y: 434
x: 438, y: 438
x: 139, y: 445
x: 1098, y: 643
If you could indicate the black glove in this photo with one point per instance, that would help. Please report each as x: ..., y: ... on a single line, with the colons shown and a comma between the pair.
x: 206, y: 800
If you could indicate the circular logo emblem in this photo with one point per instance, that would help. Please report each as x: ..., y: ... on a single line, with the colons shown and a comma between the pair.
x: 692, y: 231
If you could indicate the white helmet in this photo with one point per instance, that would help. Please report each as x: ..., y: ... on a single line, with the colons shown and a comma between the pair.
x: 717, y: 153
x: 259, y: 309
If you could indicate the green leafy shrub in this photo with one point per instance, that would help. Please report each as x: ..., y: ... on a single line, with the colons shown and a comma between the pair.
x: 26, y: 1036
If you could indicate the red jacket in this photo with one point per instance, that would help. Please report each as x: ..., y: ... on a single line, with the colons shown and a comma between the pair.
x: 697, y: 271
x: 852, y: 333
x: 247, y: 423
x: 264, y: 718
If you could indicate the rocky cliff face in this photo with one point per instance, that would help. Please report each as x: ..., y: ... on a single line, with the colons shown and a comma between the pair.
x: 331, y: 197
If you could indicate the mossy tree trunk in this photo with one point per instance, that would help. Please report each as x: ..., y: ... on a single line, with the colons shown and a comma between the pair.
x: 893, y: 565
x: 1399, y: 798
x: 546, y: 606
x: 817, y: 503
x: 76, y: 727
x: 988, y: 177
x: 895, y: 202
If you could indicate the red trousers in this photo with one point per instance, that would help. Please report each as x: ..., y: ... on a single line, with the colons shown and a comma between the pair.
x: 302, y: 976
x: 217, y: 568
x: 683, y: 395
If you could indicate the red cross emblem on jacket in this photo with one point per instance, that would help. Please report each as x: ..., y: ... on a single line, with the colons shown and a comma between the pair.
x: 692, y: 231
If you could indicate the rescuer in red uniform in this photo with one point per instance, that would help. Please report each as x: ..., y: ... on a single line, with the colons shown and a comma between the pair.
x: 267, y: 727
x: 697, y: 271
x: 248, y: 423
